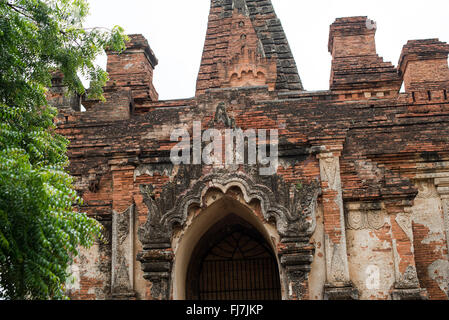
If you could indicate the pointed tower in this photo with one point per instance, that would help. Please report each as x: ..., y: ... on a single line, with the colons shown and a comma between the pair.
x: 246, y: 46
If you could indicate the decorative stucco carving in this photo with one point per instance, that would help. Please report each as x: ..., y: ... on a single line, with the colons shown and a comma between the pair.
x: 356, y: 220
x: 338, y: 265
x: 122, y: 253
x: 445, y: 201
x: 221, y: 116
x: 442, y: 185
x: 296, y: 262
x: 375, y: 220
x: 121, y: 281
x: 91, y: 181
x: 152, y: 169
x: 330, y: 169
x: 123, y: 225
x: 292, y: 207
x: 154, y: 234
x: 426, y: 190
x: 406, y: 285
x: 296, y: 278
x: 408, y: 279
x: 240, y: 5
x: 157, y: 266
x: 404, y: 220
x: 361, y: 220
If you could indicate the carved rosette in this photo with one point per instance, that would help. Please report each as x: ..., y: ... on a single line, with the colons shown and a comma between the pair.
x: 291, y: 207
x: 365, y: 216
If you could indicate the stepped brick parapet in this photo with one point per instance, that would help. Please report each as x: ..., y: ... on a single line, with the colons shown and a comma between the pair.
x: 356, y: 67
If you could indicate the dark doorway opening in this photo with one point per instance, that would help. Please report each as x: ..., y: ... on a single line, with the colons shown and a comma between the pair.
x: 233, y: 261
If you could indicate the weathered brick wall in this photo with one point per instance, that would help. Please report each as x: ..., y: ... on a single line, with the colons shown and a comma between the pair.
x: 376, y: 237
x: 269, y: 31
x: 430, y: 241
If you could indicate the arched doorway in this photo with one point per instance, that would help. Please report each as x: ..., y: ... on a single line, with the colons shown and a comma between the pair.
x: 173, y: 239
x: 233, y: 261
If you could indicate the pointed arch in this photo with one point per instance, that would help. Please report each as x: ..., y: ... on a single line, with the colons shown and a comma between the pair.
x: 289, y: 208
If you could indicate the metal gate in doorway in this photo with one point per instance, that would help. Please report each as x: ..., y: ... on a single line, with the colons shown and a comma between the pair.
x: 239, y: 267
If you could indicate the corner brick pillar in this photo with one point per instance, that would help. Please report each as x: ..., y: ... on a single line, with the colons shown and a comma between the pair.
x: 423, y: 66
x: 133, y: 69
x: 443, y: 190
x: 58, y: 97
x: 338, y: 285
x: 406, y: 285
x: 356, y: 66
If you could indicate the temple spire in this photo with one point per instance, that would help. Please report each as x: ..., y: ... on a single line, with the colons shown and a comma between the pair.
x: 246, y: 46
x: 240, y: 6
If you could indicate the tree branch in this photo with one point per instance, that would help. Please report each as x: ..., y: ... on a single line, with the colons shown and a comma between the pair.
x: 20, y: 10
x: 98, y: 28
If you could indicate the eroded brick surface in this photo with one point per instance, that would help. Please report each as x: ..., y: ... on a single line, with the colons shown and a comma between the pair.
x: 376, y: 236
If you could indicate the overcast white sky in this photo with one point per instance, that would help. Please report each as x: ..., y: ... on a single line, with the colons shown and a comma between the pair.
x: 176, y: 30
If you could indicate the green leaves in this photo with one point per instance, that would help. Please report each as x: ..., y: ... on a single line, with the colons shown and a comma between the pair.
x: 40, y: 232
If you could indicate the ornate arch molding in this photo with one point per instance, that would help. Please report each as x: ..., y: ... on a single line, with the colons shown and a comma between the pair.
x: 291, y: 206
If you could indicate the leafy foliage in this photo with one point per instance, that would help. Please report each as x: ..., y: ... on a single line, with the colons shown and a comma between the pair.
x: 40, y: 231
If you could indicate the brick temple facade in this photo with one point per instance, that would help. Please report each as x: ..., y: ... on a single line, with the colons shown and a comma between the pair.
x: 358, y: 207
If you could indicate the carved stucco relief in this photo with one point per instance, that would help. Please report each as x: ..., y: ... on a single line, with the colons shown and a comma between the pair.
x: 337, y: 270
x: 152, y: 169
x: 431, y: 209
x: 406, y: 282
x: 404, y: 220
x: 222, y: 116
x: 330, y: 169
x: 443, y: 192
x: 439, y: 272
x: 433, y: 188
x: 361, y: 220
x: 240, y: 5
x: 408, y: 279
x: 336, y: 253
x: 123, y: 252
x: 292, y: 208
x: 446, y: 217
